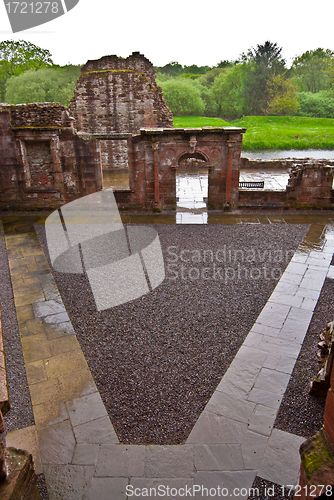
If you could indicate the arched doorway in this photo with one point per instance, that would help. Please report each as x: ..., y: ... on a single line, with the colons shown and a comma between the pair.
x: 191, y: 189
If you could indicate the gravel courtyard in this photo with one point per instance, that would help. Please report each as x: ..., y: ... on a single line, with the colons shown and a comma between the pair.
x: 158, y: 359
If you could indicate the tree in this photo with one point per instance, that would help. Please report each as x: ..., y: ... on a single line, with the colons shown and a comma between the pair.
x: 172, y: 69
x: 43, y: 85
x: 209, y: 77
x: 18, y: 57
x: 282, y: 93
x: 311, y: 70
x: 208, y: 97
x: 228, y: 88
x: 182, y: 97
x: 263, y: 62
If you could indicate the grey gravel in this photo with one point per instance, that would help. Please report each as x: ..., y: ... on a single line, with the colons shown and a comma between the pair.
x: 158, y: 359
x: 299, y: 412
x: 265, y: 490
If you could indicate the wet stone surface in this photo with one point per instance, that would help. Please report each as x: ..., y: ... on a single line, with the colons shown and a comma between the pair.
x: 158, y: 359
x: 299, y: 412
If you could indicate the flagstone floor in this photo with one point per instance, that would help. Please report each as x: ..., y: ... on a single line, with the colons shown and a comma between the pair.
x: 73, y: 441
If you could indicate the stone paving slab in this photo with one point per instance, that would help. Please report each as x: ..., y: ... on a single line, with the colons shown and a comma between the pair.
x: 253, y: 447
x: 74, y: 482
x: 232, y: 484
x: 169, y: 461
x: 217, y: 429
x: 121, y: 461
x: 99, y: 431
x: 281, y: 461
x: 217, y: 457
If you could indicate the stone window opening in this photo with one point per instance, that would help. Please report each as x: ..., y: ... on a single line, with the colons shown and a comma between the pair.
x: 37, y: 156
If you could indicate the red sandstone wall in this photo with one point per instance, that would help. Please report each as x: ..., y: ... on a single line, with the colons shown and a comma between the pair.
x: 329, y: 413
x: 157, y: 154
x: 310, y: 184
x: 119, y: 95
x: 43, y: 165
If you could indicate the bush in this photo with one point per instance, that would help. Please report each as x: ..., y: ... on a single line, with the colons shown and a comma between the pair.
x: 320, y: 104
x: 43, y: 85
x: 182, y: 97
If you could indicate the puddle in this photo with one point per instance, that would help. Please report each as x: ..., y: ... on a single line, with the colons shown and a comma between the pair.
x: 191, y: 196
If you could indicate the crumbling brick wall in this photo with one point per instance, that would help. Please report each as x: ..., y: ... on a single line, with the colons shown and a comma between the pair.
x: 310, y: 185
x: 119, y: 95
x: 157, y: 154
x: 117, y: 121
x: 43, y: 163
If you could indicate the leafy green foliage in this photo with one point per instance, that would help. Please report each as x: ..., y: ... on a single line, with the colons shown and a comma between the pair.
x: 18, y: 57
x: 263, y: 62
x: 320, y: 104
x: 311, y: 70
x: 54, y: 84
x: 176, y: 69
x: 228, y: 88
x: 182, y: 97
x: 282, y: 96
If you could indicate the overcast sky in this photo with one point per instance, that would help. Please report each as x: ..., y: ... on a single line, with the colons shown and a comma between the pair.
x: 190, y: 32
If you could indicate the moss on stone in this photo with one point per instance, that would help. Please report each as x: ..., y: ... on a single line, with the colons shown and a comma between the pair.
x: 315, y: 454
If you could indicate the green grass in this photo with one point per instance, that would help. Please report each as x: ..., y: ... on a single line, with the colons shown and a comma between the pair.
x: 274, y: 132
x: 198, y: 121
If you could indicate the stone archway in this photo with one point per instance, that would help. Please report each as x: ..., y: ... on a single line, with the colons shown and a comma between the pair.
x: 192, y: 160
x: 191, y: 178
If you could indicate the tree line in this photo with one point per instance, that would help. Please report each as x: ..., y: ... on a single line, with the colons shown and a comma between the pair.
x: 257, y: 83
x: 28, y: 74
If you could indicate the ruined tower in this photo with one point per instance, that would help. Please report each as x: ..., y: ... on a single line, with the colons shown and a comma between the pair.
x: 115, y: 95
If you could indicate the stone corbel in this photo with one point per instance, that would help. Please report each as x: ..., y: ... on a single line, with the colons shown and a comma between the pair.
x: 192, y: 144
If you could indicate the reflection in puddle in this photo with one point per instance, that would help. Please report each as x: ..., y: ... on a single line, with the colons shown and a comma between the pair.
x: 191, y: 196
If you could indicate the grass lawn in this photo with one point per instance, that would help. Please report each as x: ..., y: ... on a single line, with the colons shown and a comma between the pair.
x: 198, y: 121
x: 274, y: 132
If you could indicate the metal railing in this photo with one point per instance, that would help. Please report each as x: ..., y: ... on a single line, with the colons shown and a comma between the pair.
x: 253, y: 185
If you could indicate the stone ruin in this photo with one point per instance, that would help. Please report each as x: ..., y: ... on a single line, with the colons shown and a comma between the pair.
x: 118, y: 133
x: 117, y: 124
x: 310, y: 185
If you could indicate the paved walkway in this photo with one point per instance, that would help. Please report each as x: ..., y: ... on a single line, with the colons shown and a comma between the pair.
x: 233, y: 441
x: 274, y: 180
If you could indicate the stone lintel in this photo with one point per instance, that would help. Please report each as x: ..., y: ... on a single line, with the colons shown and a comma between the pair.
x: 160, y: 131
